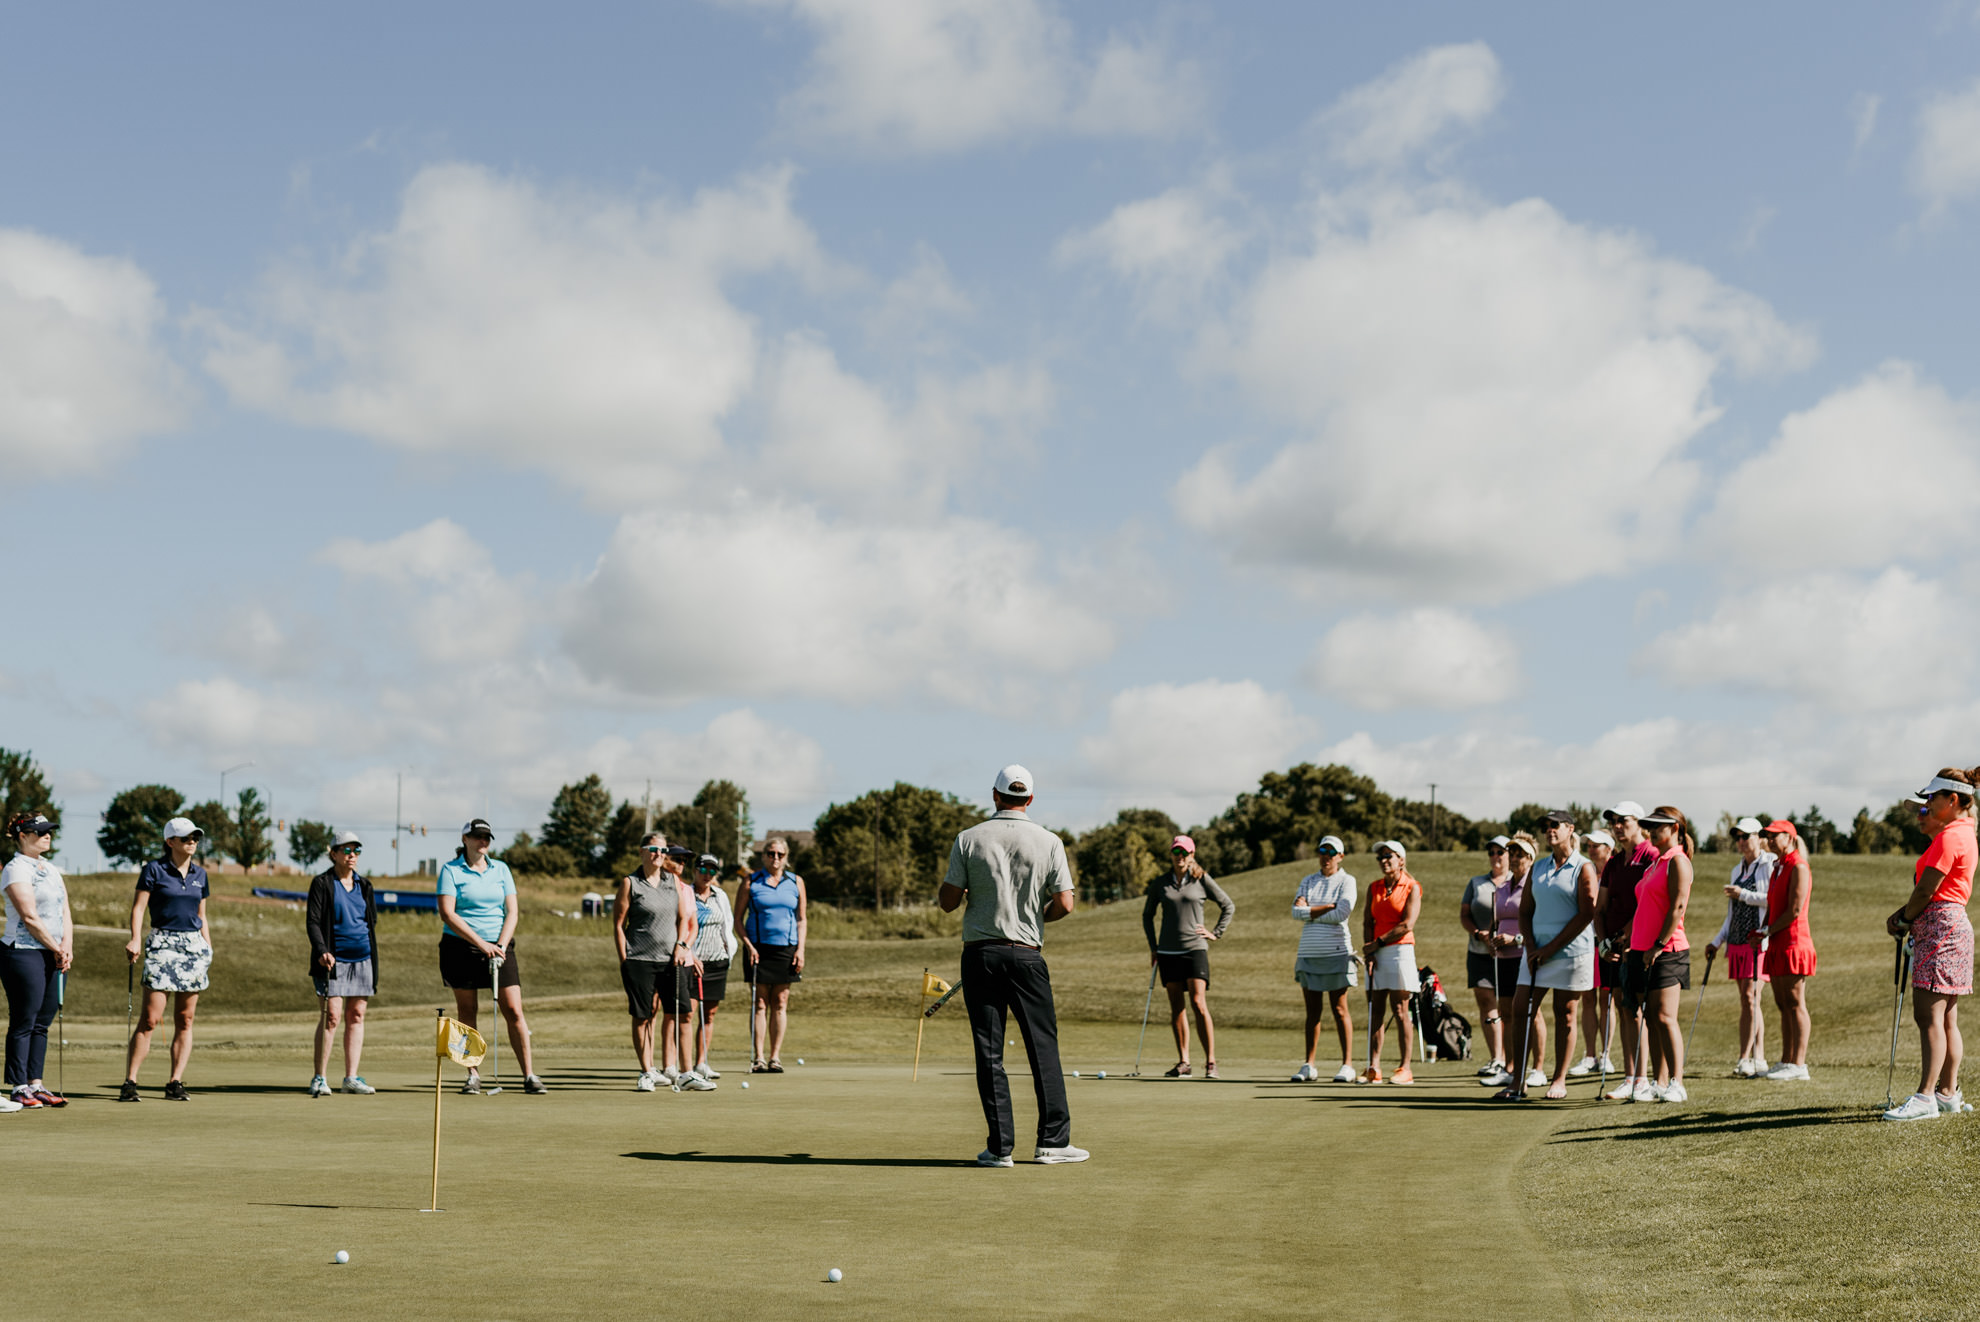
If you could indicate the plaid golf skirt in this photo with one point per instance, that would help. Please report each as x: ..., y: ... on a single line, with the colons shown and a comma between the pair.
x: 1942, y: 950
x: 180, y: 961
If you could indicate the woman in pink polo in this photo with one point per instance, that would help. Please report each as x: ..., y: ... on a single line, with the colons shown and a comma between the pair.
x: 1790, y: 959
x: 1660, y: 955
x: 1941, y: 943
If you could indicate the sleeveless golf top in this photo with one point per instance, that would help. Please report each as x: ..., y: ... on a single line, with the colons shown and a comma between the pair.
x: 1556, y: 902
x: 1388, y: 903
x: 653, y: 917
x: 1653, y: 902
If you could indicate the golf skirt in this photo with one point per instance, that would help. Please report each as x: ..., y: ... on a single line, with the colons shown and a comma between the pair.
x: 1790, y: 959
x: 714, y: 981
x: 1743, y: 963
x: 651, y: 982
x: 465, y: 968
x: 1942, y: 950
x: 1395, y: 968
x: 1671, y: 969
x: 1561, y: 973
x: 349, y: 977
x: 1480, y: 971
x: 1183, y: 965
x: 1324, y: 973
x: 776, y: 965
x: 177, y: 961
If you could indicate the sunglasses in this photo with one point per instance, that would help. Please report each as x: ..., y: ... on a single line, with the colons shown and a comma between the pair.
x: 350, y: 849
x: 654, y: 849
x: 1178, y: 851
x: 775, y: 853
x: 707, y: 872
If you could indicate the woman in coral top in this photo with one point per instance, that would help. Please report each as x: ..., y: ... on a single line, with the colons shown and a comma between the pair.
x: 1790, y: 959
x: 1941, y: 943
x: 1388, y: 928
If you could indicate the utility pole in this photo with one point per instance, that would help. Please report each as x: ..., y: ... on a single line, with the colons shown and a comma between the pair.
x: 646, y: 804
x: 707, y: 828
x: 873, y: 821
x: 398, y: 813
x: 1433, y: 814
x: 223, y: 780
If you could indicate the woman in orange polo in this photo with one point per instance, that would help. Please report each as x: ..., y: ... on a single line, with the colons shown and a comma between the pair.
x: 1388, y: 930
x: 1941, y: 943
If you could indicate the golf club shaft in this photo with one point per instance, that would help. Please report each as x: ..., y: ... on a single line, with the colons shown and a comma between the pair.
x: 1146, y: 1005
x: 941, y: 1001
x: 1697, y: 1006
x: 1897, y: 1011
x: 61, y: 1034
x: 494, y: 1021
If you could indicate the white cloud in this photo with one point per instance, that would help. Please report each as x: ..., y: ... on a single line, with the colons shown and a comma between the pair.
x: 225, y: 718
x: 1172, y: 245
x: 837, y: 436
x: 958, y: 611
x: 1190, y: 748
x: 1945, y: 161
x: 778, y: 766
x: 1450, y: 363
x: 919, y: 300
x: 1880, y: 470
x: 1885, y: 643
x: 1863, y: 109
x: 1429, y: 657
x: 925, y: 76
x: 455, y: 605
x: 589, y: 336
x: 81, y: 369
x: 1415, y: 105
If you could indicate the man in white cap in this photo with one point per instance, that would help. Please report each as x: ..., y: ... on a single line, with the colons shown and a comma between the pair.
x: 1615, y: 909
x: 1014, y: 875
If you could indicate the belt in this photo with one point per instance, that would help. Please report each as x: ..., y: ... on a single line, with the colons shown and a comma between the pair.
x: 997, y: 941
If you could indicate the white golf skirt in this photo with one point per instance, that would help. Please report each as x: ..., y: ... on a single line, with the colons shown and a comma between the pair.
x: 1395, y: 968
x: 1561, y: 973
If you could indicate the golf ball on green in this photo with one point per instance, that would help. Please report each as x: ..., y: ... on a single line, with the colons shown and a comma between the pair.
x: 835, y: 1276
x: 342, y: 1257
x: 745, y: 1085
x: 800, y: 1060
x: 1075, y: 1074
x: 1100, y: 1074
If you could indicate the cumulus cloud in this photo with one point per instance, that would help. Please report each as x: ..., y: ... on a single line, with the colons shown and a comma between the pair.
x: 1190, y: 748
x: 958, y: 610
x: 1429, y: 657
x: 1415, y: 106
x: 1448, y: 363
x: 927, y: 76
x: 589, y: 335
x: 780, y: 767
x: 1172, y: 246
x: 1879, y: 470
x: 454, y: 603
x: 225, y: 718
x: 1945, y: 160
x: 1886, y: 642
x: 82, y: 371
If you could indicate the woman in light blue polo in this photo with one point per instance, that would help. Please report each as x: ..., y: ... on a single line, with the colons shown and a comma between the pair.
x: 770, y: 919
x: 177, y: 955
x: 478, y: 911
x: 1558, y: 942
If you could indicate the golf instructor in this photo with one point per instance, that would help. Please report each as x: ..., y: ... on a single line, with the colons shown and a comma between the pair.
x: 1014, y: 875
x: 341, y: 918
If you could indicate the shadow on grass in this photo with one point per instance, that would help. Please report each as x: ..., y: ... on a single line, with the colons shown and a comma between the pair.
x: 795, y: 1159
x: 1691, y: 1123
x: 341, y: 1207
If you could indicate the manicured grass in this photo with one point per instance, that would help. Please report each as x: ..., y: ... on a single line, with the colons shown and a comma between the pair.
x: 1250, y: 1198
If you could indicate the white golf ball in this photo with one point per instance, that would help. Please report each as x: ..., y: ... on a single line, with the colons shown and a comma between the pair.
x: 745, y: 1085
x: 342, y: 1257
x: 1100, y: 1074
x: 835, y: 1276
x: 800, y: 1060
x: 1075, y: 1074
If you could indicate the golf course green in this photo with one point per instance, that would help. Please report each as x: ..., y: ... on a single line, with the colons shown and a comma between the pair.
x: 1252, y: 1197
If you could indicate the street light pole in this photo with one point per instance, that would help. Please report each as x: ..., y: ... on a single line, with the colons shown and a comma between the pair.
x: 1433, y: 814
x: 223, y: 780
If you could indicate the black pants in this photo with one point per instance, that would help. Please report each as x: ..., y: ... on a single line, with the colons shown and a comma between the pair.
x: 1012, y: 979
x: 29, y: 976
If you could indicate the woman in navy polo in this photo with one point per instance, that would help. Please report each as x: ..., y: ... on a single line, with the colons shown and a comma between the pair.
x: 342, y: 922
x: 177, y: 955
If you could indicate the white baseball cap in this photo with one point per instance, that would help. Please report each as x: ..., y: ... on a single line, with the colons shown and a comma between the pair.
x: 180, y: 828
x: 1394, y: 847
x: 1750, y: 825
x: 1333, y: 842
x: 1627, y: 808
x: 1599, y: 838
x: 1015, y: 782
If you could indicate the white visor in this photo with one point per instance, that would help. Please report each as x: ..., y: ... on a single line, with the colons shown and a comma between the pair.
x: 1941, y: 783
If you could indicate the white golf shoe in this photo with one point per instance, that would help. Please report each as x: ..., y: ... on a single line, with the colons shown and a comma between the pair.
x: 1787, y: 1073
x: 1953, y: 1105
x: 1645, y: 1091
x: 1502, y: 1079
x: 1673, y: 1092
x: 644, y: 1082
x: 355, y: 1084
x: 1060, y: 1156
x: 1605, y: 1065
x: 1536, y: 1078
x: 692, y: 1082
x: 1622, y: 1092
x: 989, y: 1158
x: 1345, y: 1074
x: 1582, y: 1068
x: 1306, y: 1073
x: 1915, y: 1107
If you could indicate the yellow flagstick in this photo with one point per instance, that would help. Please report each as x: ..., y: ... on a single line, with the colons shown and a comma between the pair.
x: 439, y: 1061
x: 920, y: 1022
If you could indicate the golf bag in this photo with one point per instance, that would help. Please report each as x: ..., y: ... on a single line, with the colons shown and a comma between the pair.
x: 1445, y: 1032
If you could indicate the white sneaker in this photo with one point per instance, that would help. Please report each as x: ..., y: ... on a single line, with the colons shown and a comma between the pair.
x: 356, y: 1084
x: 989, y: 1158
x: 1953, y: 1105
x: 1536, y: 1079
x: 1622, y: 1092
x: 645, y: 1082
x: 1500, y: 1080
x: 1345, y: 1074
x: 1759, y: 1067
x: 1060, y: 1156
x: 1786, y: 1073
x: 1915, y: 1107
x: 668, y: 1075
x: 1744, y: 1069
x: 707, y: 1071
x: 1583, y: 1069
x: 319, y: 1087
x: 1605, y: 1065
x: 8, y: 1104
x: 1645, y: 1091
x: 1487, y: 1071
x: 1305, y: 1073
x: 692, y: 1082
x: 1674, y: 1092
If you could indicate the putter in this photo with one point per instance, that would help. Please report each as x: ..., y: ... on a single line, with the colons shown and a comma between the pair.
x: 1698, y: 1005
x: 680, y: 1028
x: 494, y: 1024
x: 1146, y: 1006
x: 61, y: 1035
x: 1518, y: 1089
x: 130, y: 999
x: 1897, y: 1009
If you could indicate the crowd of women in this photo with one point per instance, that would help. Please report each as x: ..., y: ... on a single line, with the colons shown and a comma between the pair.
x: 1598, y: 919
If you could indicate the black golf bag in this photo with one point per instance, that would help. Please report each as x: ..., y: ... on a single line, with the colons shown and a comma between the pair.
x: 1445, y: 1032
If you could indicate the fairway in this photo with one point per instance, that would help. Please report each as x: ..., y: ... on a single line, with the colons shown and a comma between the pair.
x: 1248, y: 1198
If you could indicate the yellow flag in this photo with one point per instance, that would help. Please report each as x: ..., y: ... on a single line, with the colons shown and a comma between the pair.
x: 932, y: 985
x: 460, y: 1044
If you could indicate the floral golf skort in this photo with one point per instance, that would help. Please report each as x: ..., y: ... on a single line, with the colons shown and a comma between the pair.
x: 1942, y: 950
x: 177, y: 961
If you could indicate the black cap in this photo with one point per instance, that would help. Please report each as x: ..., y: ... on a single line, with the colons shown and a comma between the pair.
x: 479, y: 826
x: 708, y: 863
x: 679, y: 851
x: 37, y: 823
x: 1559, y: 817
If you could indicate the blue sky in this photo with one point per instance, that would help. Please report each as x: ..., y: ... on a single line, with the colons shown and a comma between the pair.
x: 1554, y: 404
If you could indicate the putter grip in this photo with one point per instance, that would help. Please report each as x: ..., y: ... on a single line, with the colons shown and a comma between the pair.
x: 929, y: 1013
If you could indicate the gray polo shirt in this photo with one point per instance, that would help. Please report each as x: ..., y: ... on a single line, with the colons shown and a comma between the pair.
x: 1011, y: 866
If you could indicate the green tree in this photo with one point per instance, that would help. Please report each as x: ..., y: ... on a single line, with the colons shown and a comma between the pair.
x: 22, y: 789
x: 579, y: 816
x: 1902, y: 819
x: 133, y: 830
x: 248, y: 840
x: 1294, y: 808
x: 888, y: 846
x: 1818, y: 832
x: 1118, y: 860
x: 527, y: 858
x: 309, y: 841
x: 719, y: 813
x: 622, y: 839
x: 218, y: 828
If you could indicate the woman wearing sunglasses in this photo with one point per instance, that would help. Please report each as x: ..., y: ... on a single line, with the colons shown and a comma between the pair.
x: 38, y: 949
x: 1182, y: 948
x: 342, y: 919
x: 771, y: 922
x: 653, y: 924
